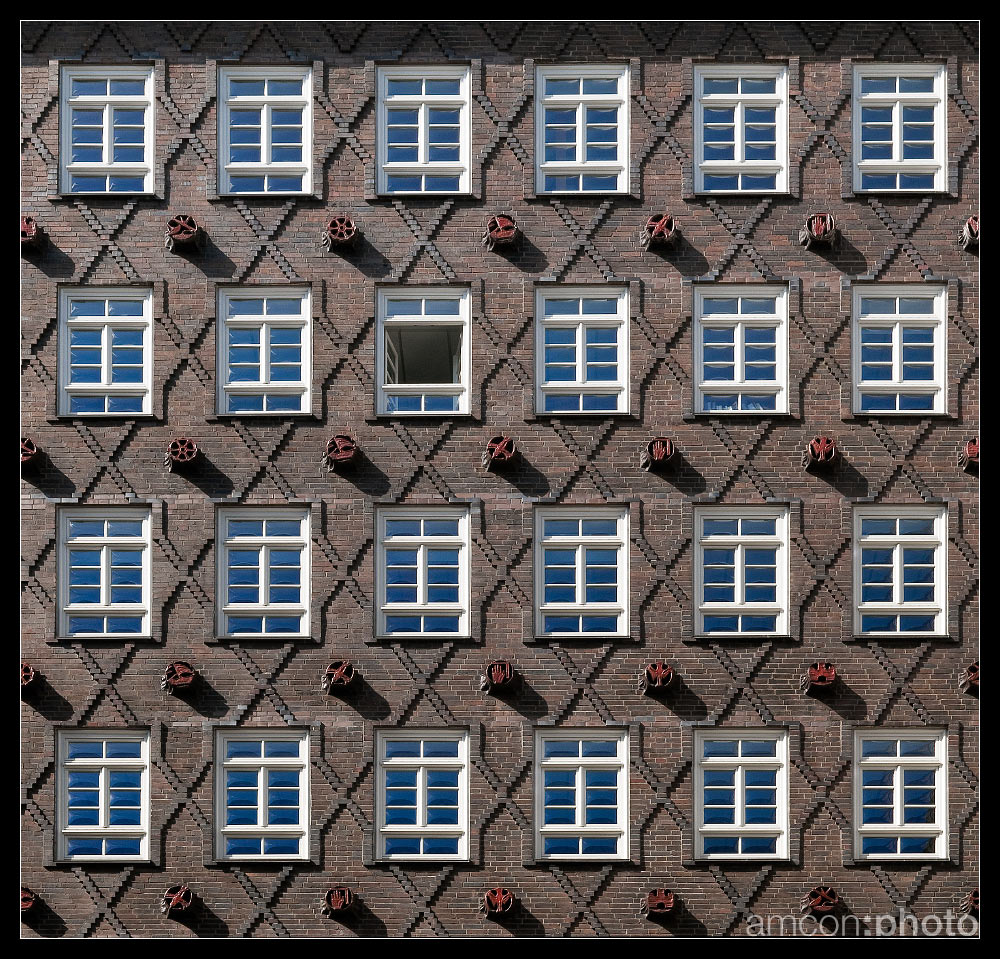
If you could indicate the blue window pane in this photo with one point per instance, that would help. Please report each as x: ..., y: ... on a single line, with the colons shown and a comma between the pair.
x: 559, y: 816
x: 599, y: 846
x: 562, y: 624
x: 718, y: 815
x: 560, y: 747
x: 759, y: 845
x: 86, y: 749
x: 599, y: 747
x: 720, y: 845
x: 240, y: 749
x: 122, y: 750
x: 442, y: 817
x: 281, y: 847
x: 720, y: 747
x: 277, y: 748
x: 561, y: 846
x: 878, y: 747
x: 396, y: 748
x: 441, y: 846
x: 759, y: 747
x: 721, y: 624
x: 916, y: 845
x: 402, y: 846
x: 121, y: 847
x: 445, y: 747
x: 84, y: 847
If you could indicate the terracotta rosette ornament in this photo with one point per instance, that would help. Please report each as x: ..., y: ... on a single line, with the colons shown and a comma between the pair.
x: 177, y: 900
x: 658, y: 904
x: 501, y: 230
x: 182, y: 233
x: 497, y: 902
x: 340, y: 231
x: 181, y: 453
x: 341, y: 453
x: 660, y: 230
x: 499, y: 676
x: 339, y: 902
x: 501, y: 453
x: 821, y: 452
x: 969, y: 237
x: 656, y: 455
x: 178, y: 677
x: 656, y: 678
x: 821, y: 900
x: 339, y: 675
x: 819, y: 676
x: 819, y: 229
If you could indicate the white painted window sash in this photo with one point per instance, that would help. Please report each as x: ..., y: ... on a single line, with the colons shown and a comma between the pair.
x: 579, y: 765
x: 423, y: 103
x: 265, y: 103
x: 422, y: 765
x: 262, y: 765
x: 107, y: 102
x: 265, y: 544
x: 740, y: 765
x: 740, y: 543
x: 103, y: 766
x: 938, y: 830
x: 580, y: 543
x: 580, y: 102
x: 422, y: 544
x: 938, y: 542
x: 740, y: 101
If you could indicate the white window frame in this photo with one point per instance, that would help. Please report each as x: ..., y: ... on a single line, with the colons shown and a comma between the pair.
x: 739, y: 542
x: 740, y: 828
x: 106, y: 544
x: 262, y: 765
x: 580, y: 102
x: 898, y: 829
x: 581, y: 764
x: 265, y: 103
x: 422, y: 829
x: 423, y: 102
x: 778, y: 321
x: 104, y: 766
x: 384, y: 390
x: 108, y: 167
x: 581, y: 323
x: 737, y: 166
x: 938, y: 166
x: 267, y: 322
x: 621, y: 541
x: 937, y: 321
x: 105, y: 324
x: 897, y: 542
x: 422, y: 544
x: 263, y: 609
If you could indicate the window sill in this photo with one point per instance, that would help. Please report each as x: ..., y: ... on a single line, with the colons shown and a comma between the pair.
x: 105, y: 638
x: 742, y: 193
x: 740, y: 637
x: 884, y: 637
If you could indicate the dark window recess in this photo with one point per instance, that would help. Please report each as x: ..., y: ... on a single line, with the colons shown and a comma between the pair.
x: 429, y: 354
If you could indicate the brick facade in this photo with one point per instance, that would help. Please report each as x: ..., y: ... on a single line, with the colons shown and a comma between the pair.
x: 116, y: 241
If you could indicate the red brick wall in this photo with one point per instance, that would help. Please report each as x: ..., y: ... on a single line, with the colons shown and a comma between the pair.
x: 114, y: 241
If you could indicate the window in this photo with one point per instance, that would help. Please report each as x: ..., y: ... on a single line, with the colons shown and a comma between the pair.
x: 265, y: 129
x: 741, y: 570
x: 422, y: 794
x: 265, y: 364
x: 105, y: 351
x: 582, y: 349
x: 103, y: 794
x: 581, y: 560
x: 741, y: 129
x: 264, y: 572
x: 900, y: 794
x: 423, y: 572
x: 899, y: 127
x: 423, y: 129
x: 582, y: 129
x: 262, y: 794
x: 741, y: 349
x: 104, y: 572
x: 581, y: 794
x: 899, y: 349
x: 741, y: 794
x: 423, y: 352
x: 900, y: 557
x: 106, y: 129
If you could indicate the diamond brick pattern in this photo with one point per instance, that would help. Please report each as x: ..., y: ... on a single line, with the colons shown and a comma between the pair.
x: 580, y: 240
